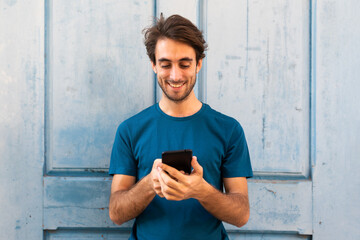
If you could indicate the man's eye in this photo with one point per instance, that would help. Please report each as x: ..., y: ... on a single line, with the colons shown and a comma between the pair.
x: 184, y: 66
x: 165, y: 66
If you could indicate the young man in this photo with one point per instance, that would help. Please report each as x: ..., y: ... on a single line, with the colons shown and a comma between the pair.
x: 167, y: 203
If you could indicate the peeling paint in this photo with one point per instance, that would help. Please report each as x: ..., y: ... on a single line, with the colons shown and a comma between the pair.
x: 10, y: 2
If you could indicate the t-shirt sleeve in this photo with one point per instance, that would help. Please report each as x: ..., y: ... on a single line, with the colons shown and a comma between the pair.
x: 237, y: 159
x: 122, y: 160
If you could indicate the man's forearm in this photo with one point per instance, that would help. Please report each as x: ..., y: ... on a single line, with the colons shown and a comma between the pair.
x: 128, y: 204
x: 232, y: 208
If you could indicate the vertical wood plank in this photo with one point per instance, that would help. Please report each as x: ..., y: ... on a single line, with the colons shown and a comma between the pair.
x: 188, y: 9
x: 21, y: 118
x: 258, y: 72
x: 336, y: 173
x: 99, y: 75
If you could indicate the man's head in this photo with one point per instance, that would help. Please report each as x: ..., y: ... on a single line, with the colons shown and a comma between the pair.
x: 176, y: 48
x: 176, y: 28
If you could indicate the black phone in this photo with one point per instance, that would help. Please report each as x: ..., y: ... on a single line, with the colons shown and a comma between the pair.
x: 180, y: 159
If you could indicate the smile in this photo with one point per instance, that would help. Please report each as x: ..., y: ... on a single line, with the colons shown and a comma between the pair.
x: 177, y: 85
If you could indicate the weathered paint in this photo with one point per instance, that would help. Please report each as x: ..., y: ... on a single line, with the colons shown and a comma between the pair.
x: 336, y: 173
x: 67, y: 199
x: 21, y: 118
x: 71, y: 202
x: 92, y: 81
x: 259, y: 74
x: 98, y: 234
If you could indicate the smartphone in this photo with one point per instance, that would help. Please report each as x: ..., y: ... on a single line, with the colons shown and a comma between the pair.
x: 180, y: 159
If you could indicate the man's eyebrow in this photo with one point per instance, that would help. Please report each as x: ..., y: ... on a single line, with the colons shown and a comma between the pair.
x: 164, y: 60
x: 186, y: 59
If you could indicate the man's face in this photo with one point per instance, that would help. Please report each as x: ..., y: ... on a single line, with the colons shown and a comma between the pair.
x: 176, y: 68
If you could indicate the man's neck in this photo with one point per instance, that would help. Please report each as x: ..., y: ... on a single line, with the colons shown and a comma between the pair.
x: 185, y: 108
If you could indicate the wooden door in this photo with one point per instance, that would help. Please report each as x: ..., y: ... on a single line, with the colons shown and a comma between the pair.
x: 71, y: 71
x: 258, y: 72
x: 97, y: 75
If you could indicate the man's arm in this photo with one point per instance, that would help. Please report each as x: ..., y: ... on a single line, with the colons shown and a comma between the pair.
x: 231, y: 207
x: 127, y: 199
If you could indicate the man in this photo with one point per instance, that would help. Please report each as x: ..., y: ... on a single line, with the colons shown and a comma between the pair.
x: 167, y: 203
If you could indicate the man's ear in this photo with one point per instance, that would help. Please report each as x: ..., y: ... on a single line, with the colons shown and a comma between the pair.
x: 153, y: 66
x: 198, y: 66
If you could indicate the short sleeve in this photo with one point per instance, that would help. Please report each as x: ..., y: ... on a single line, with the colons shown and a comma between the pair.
x: 122, y: 160
x: 237, y: 159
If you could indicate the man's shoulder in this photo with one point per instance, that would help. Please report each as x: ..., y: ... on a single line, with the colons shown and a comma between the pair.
x: 139, y: 118
x: 144, y: 114
x: 220, y: 117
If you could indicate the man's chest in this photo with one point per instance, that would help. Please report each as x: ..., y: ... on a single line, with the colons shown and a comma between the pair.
x: 207, y: 145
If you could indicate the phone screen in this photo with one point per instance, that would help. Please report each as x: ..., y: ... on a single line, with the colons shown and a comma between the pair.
x: 180, y: 159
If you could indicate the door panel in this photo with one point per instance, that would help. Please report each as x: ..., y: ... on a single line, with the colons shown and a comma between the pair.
x: 92, y: 84
x: 283, y: 206
x: 87, y: 235
x: 258, y: 72
x: 279, y: 206
x: 77, y: 202
x: 267, y: 236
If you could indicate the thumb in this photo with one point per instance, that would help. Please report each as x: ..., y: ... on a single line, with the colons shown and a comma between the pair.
x: 195, y: 164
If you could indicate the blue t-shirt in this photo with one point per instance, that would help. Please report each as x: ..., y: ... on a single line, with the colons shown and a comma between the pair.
x: 218, y: 142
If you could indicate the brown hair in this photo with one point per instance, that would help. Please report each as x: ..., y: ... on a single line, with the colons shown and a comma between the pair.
x: 176, y: 28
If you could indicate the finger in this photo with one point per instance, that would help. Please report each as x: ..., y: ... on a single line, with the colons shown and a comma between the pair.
x: 169, y: 192
x: 172, y: 171
x: 158, y: 191
x: 157, y: 162
x: 168, y: 180
x: 173, y: 198
x: 156, y: 184
x: 196, y: 166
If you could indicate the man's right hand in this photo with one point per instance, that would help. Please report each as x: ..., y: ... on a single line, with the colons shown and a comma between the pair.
x: 128, y: 199
x: 154, y: 175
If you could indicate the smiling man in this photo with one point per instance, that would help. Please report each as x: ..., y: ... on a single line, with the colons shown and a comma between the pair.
x: 167, y: 203
x: 176, y: 82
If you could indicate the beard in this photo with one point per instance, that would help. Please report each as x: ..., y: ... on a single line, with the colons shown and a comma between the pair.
x: 178, y: 98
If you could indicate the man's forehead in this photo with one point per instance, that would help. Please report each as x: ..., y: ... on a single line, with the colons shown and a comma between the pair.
x: 171, y: 50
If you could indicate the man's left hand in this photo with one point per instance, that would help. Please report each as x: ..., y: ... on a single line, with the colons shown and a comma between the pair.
x: 177, y: 186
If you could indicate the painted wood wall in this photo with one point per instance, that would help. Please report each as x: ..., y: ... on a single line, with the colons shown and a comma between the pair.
x: 71, y: 71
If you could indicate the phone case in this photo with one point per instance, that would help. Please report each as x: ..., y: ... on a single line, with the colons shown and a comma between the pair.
x: 180, y: 159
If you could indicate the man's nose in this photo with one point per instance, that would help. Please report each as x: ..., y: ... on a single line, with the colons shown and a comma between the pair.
x: 175, y: 74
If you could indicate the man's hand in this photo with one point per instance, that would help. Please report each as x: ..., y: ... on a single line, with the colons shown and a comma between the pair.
x: 231, y: 207
x: 128, y: 199
x: 154, y: 178
x: 175, y: 185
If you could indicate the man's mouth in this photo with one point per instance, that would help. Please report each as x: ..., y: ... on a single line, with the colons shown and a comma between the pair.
x: 176, y: 85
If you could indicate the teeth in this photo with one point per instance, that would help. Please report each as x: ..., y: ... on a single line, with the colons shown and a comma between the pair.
x: 176, y: 85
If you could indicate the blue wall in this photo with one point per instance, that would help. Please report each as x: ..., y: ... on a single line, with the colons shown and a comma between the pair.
x: 287, y: 70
